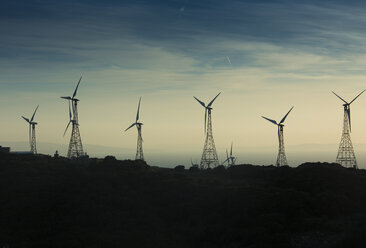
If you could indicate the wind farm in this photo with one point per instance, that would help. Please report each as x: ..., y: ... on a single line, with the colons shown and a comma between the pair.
x: 102, y: 105
x: 209, y: 158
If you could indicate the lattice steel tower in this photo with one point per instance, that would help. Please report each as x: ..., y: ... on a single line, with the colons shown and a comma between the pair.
x: 209, y: 157
x: 139, y: 151
x: 346, y: 155
x: 32, y: 132
x: 281, y: 157
x: 75, y: 146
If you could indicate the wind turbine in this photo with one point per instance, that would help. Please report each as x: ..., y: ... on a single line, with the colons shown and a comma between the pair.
x: 209, y: 155
x: 281, y: 158
x: 32, y: 132
x: 230, y: 160
x: 346, y: 155
x: 139, y: 152
x: 75, y: 146
x: 195, y: 165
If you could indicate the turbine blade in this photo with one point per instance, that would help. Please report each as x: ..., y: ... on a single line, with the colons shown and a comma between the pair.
x: 34, y: 113
x: 205, y: 119
x: 76, y: 89
x: 357, y: 96
x: 26, y: 119
x: 213, y: 100
x: 273, y: 121
x: 349, y: 118
x: 70, y: 116
x: 231, y: 150
x: 227, y: 155
x: 340, y: 97
x: 138, y: 110
x: 30, y: 136
x: 202, y: 103
x: 67, y: 128
x: 130, y: 126
x: 284, y: 118
x: 279, y: 139
x: 66, y: 97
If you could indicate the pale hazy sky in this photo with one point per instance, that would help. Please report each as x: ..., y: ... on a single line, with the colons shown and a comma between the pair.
x: 282, y: 54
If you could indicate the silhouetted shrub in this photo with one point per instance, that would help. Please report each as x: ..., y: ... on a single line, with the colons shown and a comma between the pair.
x: 109, y: 159
x: 179, y: 168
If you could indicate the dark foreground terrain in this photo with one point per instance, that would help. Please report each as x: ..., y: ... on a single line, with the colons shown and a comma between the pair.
x: 47, y: 202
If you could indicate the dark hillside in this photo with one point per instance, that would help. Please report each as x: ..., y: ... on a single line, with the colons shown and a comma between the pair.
x: 47, y: 202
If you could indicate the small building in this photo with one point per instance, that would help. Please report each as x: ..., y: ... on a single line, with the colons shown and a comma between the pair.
x: 4, y: 149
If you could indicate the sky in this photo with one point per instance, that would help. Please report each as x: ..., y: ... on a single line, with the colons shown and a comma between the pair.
x: 263, y: 56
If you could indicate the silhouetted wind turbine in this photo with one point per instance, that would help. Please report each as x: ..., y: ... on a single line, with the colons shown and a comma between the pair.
x: 281, y: 158
x: 346, y: 155
x: 75, y: 146
x: 194, y: 165
x: 32, y: 132
x: 139, y: 152
x: 230, y: 159
x: 209, y: 154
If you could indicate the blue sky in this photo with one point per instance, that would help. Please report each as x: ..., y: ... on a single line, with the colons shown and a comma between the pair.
x: 69, y: 33
x: 282, y: 53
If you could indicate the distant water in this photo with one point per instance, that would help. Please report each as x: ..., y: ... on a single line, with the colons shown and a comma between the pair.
x: 296, y: 154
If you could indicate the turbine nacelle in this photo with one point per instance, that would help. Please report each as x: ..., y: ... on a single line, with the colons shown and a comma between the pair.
x: 30, y: 122
x: 70, y: 98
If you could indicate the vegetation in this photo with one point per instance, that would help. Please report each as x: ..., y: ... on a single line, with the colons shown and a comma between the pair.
x: 52, y: 202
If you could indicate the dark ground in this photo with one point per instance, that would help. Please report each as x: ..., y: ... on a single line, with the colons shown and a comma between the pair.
x: 46, y: 202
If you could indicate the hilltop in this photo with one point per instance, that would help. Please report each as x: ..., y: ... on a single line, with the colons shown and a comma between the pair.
x: 49, y: 202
